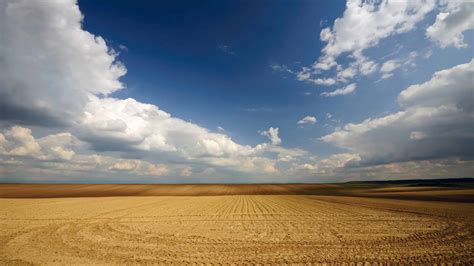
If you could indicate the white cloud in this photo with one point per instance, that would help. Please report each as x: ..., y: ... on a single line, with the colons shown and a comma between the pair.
x: 331, y: 164
x: 456, y: 17
x: 272, y: 134
x: 343, y: 91
x: 376, y: 20
x: 55, y: 154
x: 436, y: 122
x: 280, y: 68
x: 44, y: 41
x: 305, y: 75
x: 386, y: 75
x: 410, y: 59
x: 389, y: 66
x: 58, y: 152
x: 346, y: 73
x: 323, y: 81
x: 364, y: 65
x: 59, y: 145
x: 19, y: 141
x: 186, y: 171
x: 353, y: 171
x: 406, y: 62
x: 157, y: 169
x: 325, y: 62
x: 307, y: 120
x: 125, y: 165
x: 449, y: 87
x: 420, y: 169
x: 287, y: 155
x: 131, y: 124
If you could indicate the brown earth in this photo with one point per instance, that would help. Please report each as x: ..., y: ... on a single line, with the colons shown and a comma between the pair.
x: 269, y: 229
x: 404, y: 191
x: 108, y: 190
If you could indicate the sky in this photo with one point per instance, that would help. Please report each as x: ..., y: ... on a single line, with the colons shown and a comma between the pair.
x: 235, y: 91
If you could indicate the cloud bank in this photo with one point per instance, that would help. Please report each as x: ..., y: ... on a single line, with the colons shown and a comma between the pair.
x: 436, y: 121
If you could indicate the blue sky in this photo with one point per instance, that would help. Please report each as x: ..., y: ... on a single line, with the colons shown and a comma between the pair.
x: 234, y: 78
x: 175, y: 59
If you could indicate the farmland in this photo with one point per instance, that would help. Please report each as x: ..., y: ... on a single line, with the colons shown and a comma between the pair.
x: 224, y: 226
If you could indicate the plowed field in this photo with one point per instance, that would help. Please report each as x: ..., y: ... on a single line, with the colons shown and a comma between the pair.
x: 272, y: 229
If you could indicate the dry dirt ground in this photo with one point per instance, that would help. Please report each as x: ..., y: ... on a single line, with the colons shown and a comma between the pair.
x: 269, y: 229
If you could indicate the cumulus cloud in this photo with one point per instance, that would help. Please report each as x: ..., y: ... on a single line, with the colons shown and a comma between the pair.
x: 342, y: 170
x: 405, y: 62
x: 19, y: 141
x: 59, y: 146
x: 388, y: 67
x: 376, y: 20
x: 364, y: 65
x: 380, y: 20
x: 449, y: 87
x: 346, y: 73
x: 342, y: 91
x: 455, y: 18
x: 186, y: 171
x: 419, y: 169
x: 329, y: 166
x: 307, y: 120
x: 436, y: 121
x: 288, y: 155
x: 272, y: 134
x: 158, y: 169
x: 125, y: 165
x: 44, y: 41
x: 305, y: 75
x: 58, y: 152
x: 145, y: 127
x: 323, y: 81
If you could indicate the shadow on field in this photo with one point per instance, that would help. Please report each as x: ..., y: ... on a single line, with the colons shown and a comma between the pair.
x: 456, y: 190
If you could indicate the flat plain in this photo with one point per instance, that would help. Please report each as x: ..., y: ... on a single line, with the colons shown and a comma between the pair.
x: 242, y: 224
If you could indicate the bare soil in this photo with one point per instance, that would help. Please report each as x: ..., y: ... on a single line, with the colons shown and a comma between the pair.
x: 270, y: 229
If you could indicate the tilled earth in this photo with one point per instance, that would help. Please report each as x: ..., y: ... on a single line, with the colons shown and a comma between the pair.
x: 271, y: 229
